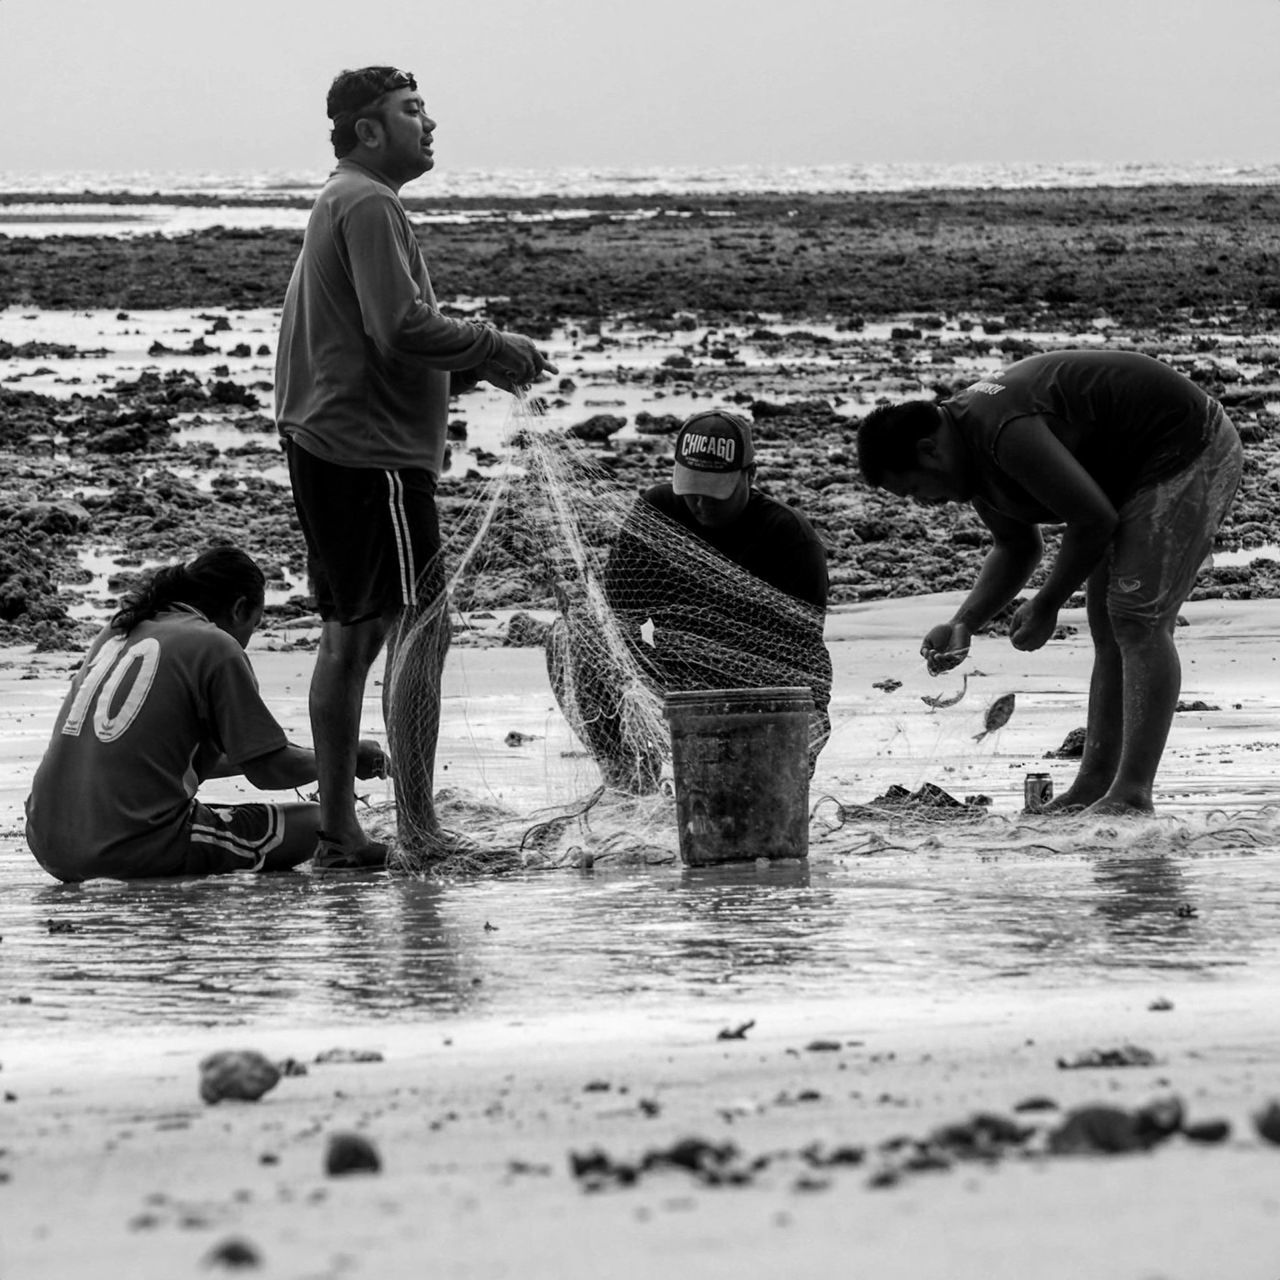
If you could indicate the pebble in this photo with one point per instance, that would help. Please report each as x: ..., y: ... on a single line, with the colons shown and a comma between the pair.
x: 351, y: 1153
x: 236, y: 1073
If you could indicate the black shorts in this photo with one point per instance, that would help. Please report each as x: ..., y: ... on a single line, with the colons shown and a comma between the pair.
x: 373, y: 536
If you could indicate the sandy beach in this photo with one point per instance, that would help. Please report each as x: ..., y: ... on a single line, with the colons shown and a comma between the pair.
x: 610, y: 1070
x: 113, y: 1164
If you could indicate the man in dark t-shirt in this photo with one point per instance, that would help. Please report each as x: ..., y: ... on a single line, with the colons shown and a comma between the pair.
x: 1139, y: 465
x: 732, y: 583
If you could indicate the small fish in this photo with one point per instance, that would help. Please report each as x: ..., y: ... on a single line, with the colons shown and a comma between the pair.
x: 942, y: 700
x: 997, y: 716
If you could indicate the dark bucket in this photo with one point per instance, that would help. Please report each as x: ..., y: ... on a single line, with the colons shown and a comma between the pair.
x: 741, y: 761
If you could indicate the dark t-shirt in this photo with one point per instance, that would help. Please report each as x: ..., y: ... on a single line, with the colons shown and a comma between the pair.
x: 770, y: 540
x: 147, y: 716
x: 1128, y: 419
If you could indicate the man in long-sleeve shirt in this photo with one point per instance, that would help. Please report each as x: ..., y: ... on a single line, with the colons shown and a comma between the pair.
x: 363, y: 374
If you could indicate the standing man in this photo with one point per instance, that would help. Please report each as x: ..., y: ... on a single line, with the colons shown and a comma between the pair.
x: 1139, y: 465
x: 734, y: 585
x: 363, y: 375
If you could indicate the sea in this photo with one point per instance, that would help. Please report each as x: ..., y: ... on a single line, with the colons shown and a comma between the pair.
x: 174, y: 203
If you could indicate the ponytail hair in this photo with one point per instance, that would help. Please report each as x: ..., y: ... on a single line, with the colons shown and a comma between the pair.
x: 212, y: 583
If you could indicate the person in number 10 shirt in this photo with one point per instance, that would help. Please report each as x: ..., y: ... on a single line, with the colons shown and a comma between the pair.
x: 165, y: 699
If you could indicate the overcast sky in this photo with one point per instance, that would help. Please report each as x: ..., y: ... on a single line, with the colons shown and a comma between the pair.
x: 237, y: 85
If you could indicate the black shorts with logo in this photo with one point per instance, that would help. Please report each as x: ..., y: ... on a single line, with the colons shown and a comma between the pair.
x: 373, y: 536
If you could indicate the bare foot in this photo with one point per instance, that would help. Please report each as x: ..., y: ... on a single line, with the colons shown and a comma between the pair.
x: 1073, y: 800
x: 1110, y: 806
x: 1059, y: 808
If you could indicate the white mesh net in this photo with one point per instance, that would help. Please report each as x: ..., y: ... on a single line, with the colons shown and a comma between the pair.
x: 641, y: 607
x: 557, y: 529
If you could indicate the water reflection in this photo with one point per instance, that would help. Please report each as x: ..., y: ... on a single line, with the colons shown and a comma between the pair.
x: 749, y: 916
x: 235, y: 949
x: 1142, y: 896
x: 916, y: 922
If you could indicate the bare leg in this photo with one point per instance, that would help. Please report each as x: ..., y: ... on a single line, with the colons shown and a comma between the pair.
x: 301, y: 825
x: 1104, y: 729
x: 1152, y: 680
x: 338, y: 682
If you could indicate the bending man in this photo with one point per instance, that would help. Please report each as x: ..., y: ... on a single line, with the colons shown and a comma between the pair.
x: 1139, y: 465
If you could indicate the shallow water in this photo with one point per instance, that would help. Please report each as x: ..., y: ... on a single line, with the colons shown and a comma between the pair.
x: 924, y: 914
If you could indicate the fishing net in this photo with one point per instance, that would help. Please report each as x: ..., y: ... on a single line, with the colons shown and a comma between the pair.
x: 632, y: 606
x: 618, y: 606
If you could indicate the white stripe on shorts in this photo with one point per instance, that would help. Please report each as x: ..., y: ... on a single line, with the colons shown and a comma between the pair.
x: 252, y: 851
x: 404, y: 547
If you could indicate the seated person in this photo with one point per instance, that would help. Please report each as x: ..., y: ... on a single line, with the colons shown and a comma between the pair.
x: 166, y: 698
x: 734, y: 586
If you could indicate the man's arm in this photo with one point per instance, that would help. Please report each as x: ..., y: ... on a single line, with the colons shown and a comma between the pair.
x: 293, y: 766
x: 1013, y: 557
x: 1033, y: 456
x: 400, y: 321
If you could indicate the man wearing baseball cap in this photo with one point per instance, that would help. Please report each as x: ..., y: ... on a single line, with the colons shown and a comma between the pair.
x: 734, y: 583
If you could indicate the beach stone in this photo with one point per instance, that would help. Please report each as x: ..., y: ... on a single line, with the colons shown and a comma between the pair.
x: 349, y: 1055
x: 598, y: 428
x: 657, y: 424
x: 1072, y: 747
x: 59, y: 517
x: 1267, y: 1122
x: 1207, y: 1131
x: 525, y: 632
x: 242, y: 1074
x: 351, y: 1153
x: 1100, y: 1131
x: 1129, y: 1055
x: 235, y: 1254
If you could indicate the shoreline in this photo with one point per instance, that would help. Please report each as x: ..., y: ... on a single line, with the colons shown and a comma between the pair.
x: 419, y: 196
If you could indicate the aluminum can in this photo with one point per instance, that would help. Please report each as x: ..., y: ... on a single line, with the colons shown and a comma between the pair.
x: 1037, y: 791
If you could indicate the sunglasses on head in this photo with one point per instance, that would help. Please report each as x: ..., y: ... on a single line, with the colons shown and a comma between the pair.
x: 397, y: 80
x: 378, y: 85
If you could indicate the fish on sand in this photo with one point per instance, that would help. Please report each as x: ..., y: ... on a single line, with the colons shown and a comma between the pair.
x: 942, y: 700
x: 997, y: 716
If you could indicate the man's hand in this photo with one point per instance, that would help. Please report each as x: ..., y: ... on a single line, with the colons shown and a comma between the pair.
x: 371, y: 760
x: 1033, y: 623
x: 945, y: 647
x: 519, y: 364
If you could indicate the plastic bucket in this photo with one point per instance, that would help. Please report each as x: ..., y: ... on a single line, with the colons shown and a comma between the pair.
x: 741, y: 762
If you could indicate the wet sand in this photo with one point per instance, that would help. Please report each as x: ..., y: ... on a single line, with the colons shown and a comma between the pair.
x: 112, y: 1164
x: 478, y: 1119
x: 117, y: 1168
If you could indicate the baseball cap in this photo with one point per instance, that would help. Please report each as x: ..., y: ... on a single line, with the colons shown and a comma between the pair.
x: 712, y: 447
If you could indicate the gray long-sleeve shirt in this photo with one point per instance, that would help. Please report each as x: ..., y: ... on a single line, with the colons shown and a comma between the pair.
x: 362, y: 367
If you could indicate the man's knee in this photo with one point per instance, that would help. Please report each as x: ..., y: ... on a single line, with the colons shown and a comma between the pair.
x: 353, y: 646
x: 1136, y: 630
